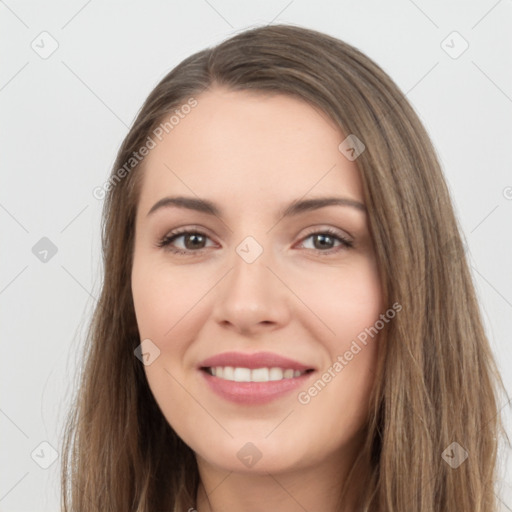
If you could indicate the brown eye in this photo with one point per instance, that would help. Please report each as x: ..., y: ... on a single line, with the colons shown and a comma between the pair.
x: 324, y: 241
x: 194, y: 241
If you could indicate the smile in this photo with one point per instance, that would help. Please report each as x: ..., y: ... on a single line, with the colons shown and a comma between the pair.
x: 253, y: 378
x: 240, y: 374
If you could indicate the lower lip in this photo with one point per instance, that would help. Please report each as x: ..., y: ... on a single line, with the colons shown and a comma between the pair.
x: 253, y: 392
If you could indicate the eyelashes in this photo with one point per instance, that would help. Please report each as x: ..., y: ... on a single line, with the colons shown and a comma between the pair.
x: 167, y: 241
x: 171, y: 237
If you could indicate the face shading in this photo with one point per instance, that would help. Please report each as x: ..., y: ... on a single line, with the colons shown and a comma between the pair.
x: 252, y: 288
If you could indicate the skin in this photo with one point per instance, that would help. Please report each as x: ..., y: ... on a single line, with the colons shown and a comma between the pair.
x: 252, y: 154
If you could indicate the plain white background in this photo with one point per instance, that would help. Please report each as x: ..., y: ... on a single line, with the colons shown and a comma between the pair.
x: 64, y: 116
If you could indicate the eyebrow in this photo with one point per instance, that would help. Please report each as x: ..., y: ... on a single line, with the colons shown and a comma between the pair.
x: 294, y: 208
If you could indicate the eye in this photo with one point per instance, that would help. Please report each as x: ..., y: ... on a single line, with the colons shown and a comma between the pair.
x: 326, y: 238
x: 195, y: 240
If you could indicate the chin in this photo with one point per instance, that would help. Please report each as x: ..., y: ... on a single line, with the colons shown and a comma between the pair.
x: 258, y: 457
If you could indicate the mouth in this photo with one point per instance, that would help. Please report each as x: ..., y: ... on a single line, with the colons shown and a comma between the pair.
x: 241, y: 374
x: 253, y: 378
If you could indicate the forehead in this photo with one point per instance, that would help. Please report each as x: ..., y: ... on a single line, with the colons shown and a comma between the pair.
x: 250, y: 145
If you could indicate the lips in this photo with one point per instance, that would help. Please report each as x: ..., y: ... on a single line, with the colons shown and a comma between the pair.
x: 252, y: 361
x: 253, y: 378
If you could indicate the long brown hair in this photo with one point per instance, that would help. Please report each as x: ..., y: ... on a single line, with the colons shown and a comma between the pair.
x: 436, y: 383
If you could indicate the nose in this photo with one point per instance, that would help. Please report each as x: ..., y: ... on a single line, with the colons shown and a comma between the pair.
x: 253, y: 297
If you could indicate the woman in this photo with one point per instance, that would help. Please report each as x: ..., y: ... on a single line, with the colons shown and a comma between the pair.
x: 287, y: 320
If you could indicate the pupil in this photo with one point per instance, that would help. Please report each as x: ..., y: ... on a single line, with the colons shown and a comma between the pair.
x: 322, y: 238
x: 194, y: 236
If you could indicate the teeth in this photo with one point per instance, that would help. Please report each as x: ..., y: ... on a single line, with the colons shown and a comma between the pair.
x: 259, y: 375
x: 275, y: 374
x: 228, y: 372
x: 239, y: 374
x: 242, y: 375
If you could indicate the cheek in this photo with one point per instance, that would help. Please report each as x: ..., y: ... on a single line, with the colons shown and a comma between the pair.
x: 162, y: 299
x: 346, y: 299
x: 358, y: 304
x: 350, y: 307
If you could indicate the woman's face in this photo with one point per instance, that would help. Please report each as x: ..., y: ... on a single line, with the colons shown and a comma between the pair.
x: 254, y: 320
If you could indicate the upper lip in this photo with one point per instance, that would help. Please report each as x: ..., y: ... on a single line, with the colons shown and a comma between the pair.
x: 252, y: 361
